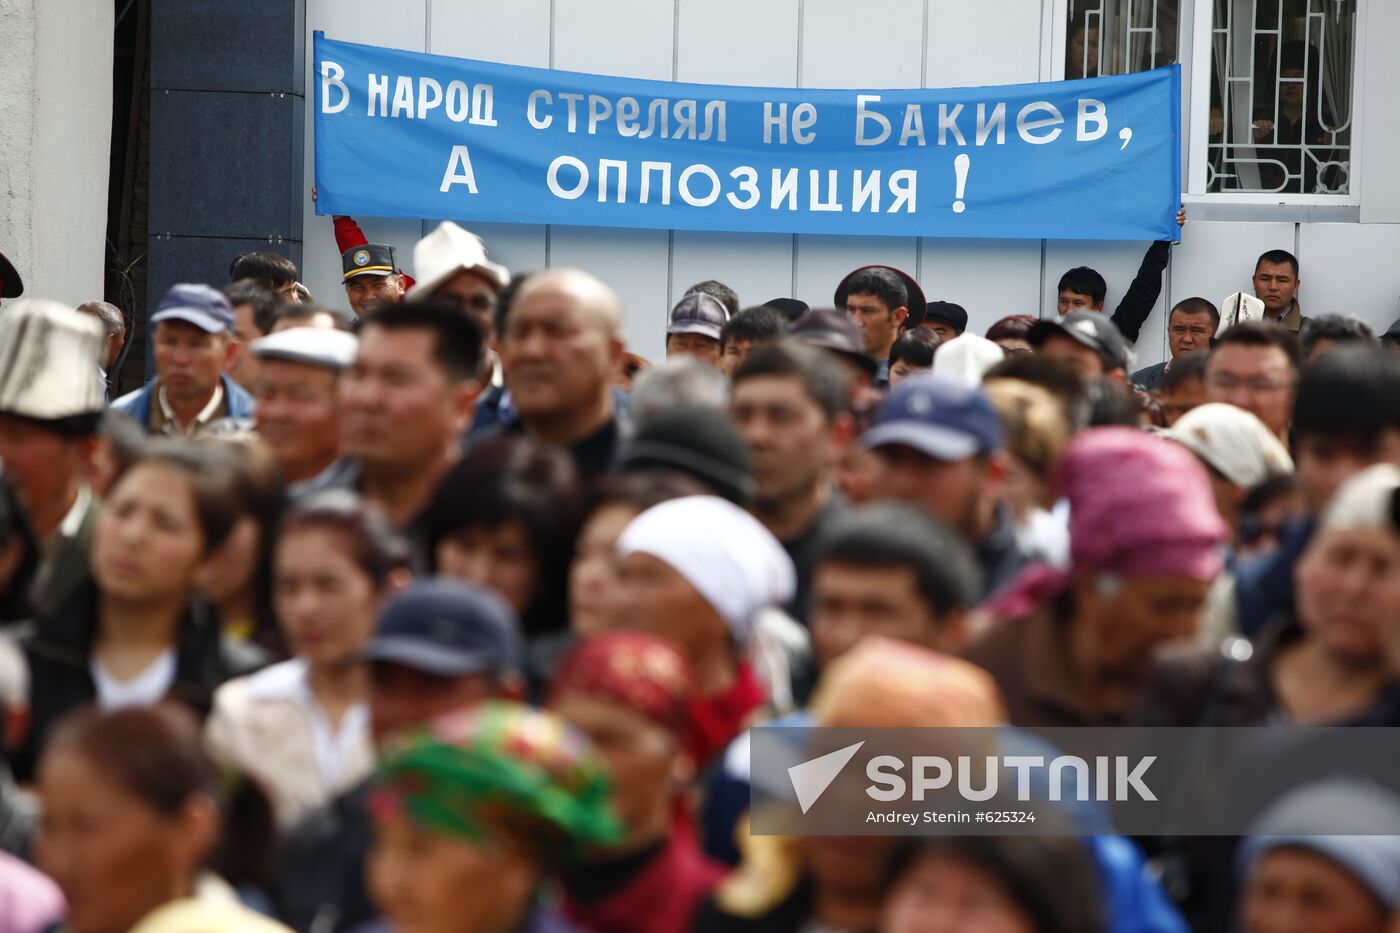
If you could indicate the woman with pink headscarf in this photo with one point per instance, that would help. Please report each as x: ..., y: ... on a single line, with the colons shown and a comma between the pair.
x: 1075, y: 647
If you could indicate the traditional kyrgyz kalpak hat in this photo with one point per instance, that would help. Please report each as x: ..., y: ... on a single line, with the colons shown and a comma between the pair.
x: 448, y: 250
x: 49, y: 365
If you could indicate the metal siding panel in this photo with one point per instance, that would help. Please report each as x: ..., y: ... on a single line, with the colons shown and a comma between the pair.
x: 209, y: 45
x: 1337, y: 266
x: 220, y: 158
x: 991, y: 279
x: 990, y: 42
x: 1377, y: 126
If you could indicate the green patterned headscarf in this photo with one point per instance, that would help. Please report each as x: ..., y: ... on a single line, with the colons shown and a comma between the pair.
x: 500, y: 766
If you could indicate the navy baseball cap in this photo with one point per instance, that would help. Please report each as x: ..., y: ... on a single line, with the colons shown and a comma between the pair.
x: 937, y: 416
x: 200, y: 305
x: 446, y: 628
x: 698, y: 314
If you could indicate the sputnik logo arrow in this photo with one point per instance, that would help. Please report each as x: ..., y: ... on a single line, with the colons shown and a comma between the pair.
x: 811, y: 778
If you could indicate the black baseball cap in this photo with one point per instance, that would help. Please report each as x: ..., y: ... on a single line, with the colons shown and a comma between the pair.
x: 698, y: 314
x: 792, y: 308
x: 1090, y: 329
x: 446, y: 628
x: 948, y: 313
x: 915, y: 302
x: 700, y: 442
x: 833, y: 330
x: 370, y: 259
x: 11, y: 285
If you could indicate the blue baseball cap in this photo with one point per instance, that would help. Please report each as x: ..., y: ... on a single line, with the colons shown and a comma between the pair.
x: 446, y: 628
x: 937, y: 416
x: 200, y: 305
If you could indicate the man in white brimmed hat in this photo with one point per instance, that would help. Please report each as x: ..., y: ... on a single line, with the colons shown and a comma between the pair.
x: 451, y: 263
x: 298, y: 406
x: 51, y: 399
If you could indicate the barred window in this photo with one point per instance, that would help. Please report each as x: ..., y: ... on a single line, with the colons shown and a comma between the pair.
x: 1117, y: 37
x: 1281, y: 96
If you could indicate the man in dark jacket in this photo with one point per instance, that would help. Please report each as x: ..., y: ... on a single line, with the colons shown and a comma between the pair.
x: 1190, y: 327
x: 440, y: 646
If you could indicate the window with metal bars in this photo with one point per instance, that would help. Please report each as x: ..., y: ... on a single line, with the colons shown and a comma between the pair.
x: 1118, y: 37
x: 1281, y: 96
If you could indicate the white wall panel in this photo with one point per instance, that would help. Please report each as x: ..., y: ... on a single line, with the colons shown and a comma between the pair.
x: 1378, y: 118
x: 1351, y: 269
x: 991, y: 42
x: 353, y: 21
x: 823, y: 261
x: 990, y: 278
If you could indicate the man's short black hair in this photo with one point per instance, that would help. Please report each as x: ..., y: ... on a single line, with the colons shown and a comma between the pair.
x: 915, y: 348
x: 270, y: 269
x: 1277, y: 257
x: 1198, y: 306
x: 887, y: 535
x: 718, y: 291
x: 1081, y: 280
x: 1351, y: 394
x: 884, y: 284
x: 1261, y: 334
x: 263, y: 301
x: 754, y: 324
x: 457, y: 336
x: 1184, y: 368
x: 1052, y: 375
x: 1338, y: 328
x: 827, y: 385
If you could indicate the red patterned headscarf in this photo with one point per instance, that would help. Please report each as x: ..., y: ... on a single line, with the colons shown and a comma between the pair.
x: 638, y: 670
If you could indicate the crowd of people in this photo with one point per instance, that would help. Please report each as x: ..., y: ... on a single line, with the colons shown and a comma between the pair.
x: 435, y: 609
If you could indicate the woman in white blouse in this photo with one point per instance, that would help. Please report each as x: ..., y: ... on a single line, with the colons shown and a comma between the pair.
x: 301, y: 728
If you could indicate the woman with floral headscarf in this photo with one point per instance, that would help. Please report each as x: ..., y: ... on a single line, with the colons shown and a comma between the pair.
x: 475, y: 811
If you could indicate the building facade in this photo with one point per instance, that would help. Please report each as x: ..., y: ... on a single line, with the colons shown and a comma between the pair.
x: 1323, y: 185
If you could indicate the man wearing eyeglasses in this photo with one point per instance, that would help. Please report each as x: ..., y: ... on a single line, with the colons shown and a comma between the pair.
x: 1254, y: 366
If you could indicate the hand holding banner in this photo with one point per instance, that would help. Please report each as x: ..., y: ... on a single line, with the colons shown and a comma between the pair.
x: 402, y: 134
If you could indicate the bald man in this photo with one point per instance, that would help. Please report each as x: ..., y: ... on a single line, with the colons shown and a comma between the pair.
x: 559, y: 349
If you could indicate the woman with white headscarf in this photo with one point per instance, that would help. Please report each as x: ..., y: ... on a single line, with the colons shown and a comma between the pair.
x: 705, y: 575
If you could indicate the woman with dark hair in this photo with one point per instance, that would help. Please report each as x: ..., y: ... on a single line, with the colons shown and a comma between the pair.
x: 912, y: 353
x: 134, y: 810
x: 302, y: 727
x: 994, y: 884
x: 138, y: 633
x: 505, y: 518
x: 1012, y: 333
x: 237, y: 581
x: 615, y: 502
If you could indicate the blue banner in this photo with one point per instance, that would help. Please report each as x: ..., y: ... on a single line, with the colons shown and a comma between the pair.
x: 402, y: 134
